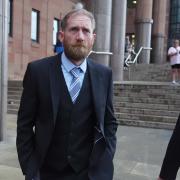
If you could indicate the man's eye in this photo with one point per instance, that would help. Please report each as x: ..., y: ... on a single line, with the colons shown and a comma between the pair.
x: 86, y: 31
x: 74, y: 29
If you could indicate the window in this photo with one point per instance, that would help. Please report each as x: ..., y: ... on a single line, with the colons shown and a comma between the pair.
x: 174, y: 25
x: 35, y: 25
x: 55, y: 30
x: 10, y: 17
x: 131, y: 3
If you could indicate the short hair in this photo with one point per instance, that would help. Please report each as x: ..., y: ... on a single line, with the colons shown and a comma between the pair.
x: 78, y: 12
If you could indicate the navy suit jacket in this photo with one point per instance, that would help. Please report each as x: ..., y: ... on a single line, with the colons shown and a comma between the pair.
x: 171, y: 161
x: 38, y: 111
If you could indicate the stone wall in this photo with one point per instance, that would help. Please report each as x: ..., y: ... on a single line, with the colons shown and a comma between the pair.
x: 148, y: 72
x: 21, y: 49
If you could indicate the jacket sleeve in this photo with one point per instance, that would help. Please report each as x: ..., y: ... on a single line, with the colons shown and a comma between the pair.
x: 26, y: 120
x: 171, y: 161
x: 110, y: 123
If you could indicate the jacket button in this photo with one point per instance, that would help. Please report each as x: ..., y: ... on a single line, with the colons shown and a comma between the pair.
x: 69, y: 157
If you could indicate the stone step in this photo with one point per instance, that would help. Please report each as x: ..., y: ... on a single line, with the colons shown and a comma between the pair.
x: 13, y: 106
x: 13, y: 101
x: 14, y: 97
x: 14, y: 83
x: 12, y: 88
x: 14, y: 92
x: 144, y: 85
x: 148, y: 72
x: 158, y: 125
x: 147, y: 104
x: 147, y: 118
x: 164, y: 107
x: 149, y: 88
x: 12, y: 111
x: 147, y: 100
x: 146, y: 112
x: 175, y: 95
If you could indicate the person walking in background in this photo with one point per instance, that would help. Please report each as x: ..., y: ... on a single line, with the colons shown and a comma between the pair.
x: 174, y: 54
x: 58, y: 48
x: 66, y: 126
x: 171, y: 161
x: 127, y: 50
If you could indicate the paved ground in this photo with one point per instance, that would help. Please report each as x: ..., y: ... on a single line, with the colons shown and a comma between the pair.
x: 139, y: 153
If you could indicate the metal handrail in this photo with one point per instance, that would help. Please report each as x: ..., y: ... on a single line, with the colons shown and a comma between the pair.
x: 127, y: 62
x: 100, y: 52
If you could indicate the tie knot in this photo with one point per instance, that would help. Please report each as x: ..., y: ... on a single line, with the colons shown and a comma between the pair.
x: 75, y: 71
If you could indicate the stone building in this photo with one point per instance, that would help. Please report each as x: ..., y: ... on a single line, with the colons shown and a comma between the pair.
x: 32, y: 31
x: 33, y: 26
x: 149, y: 23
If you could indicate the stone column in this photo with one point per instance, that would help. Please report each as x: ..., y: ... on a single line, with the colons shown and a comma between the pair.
x: 102, y: 12
x: 3, y: 67
x: 118, y: 38
x: 158, y: 31
x: 143, y: 28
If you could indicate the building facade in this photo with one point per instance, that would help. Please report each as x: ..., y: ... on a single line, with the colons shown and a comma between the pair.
x: 32, y: 31
x: 148, y: 23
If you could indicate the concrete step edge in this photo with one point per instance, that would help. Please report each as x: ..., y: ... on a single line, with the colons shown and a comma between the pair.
x: 146, y: 118
x: 157, y: 125
x: 146, y: 112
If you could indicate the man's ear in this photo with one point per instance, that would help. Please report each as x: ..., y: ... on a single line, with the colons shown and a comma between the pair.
x: 94, y: 34
x: 61, y: 36
x: 94, y: 37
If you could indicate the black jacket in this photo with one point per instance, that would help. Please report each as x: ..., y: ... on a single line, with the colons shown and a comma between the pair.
x: 38, y: 112
x: 171, y: 161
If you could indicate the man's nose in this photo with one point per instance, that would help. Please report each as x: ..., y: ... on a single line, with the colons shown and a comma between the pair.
x: 80, y: 35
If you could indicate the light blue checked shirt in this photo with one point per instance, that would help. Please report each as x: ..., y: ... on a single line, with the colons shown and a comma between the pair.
x: 67, y: 66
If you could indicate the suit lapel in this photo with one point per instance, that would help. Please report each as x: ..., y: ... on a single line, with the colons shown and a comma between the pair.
x: 55, y: 84
x: 97, y: 92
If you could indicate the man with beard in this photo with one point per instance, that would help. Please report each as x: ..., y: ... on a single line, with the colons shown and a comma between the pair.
x: 66, y: 125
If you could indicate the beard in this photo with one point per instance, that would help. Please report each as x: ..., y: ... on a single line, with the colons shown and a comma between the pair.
x: 77, y: 51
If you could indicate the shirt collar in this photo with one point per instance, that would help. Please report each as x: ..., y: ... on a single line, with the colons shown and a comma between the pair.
x: 68, y: 65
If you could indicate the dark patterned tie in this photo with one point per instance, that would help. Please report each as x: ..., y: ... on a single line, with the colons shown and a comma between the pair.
x: 75, y: 84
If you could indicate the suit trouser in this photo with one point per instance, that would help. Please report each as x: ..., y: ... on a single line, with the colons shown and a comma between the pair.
x: 37, y: 177
x: 67, y: 174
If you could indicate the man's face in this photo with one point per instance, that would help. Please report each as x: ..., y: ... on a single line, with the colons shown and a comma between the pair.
x: 78, y: 37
